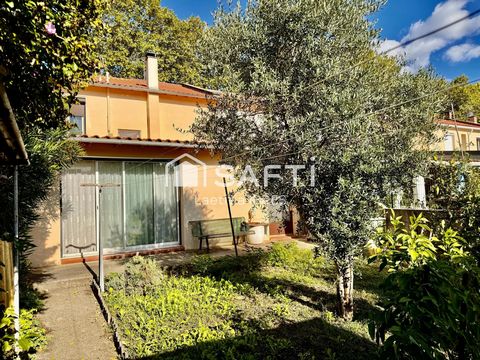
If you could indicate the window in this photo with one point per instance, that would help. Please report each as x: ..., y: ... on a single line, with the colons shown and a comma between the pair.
x: 126, y: 133
x: 478, y: 143
x: 142, y: 212
x: 77, y: 117
x: 448, y: 142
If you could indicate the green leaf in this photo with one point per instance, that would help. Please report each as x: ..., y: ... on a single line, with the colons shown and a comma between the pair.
x: 25, y: 343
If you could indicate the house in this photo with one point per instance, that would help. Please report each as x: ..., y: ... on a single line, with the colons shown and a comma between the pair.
x: 124, y: 190
x: 460, y: 136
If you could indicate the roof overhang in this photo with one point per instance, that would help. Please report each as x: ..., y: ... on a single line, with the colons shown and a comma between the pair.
x: 140, y: 142
x: 12, y: 148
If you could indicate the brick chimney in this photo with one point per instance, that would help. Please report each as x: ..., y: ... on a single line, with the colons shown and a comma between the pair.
x: 151, y: 70
x: 471, y: 117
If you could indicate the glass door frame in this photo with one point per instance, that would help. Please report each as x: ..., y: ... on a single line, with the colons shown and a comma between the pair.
x: 156, y: 245
x: 125, y: 248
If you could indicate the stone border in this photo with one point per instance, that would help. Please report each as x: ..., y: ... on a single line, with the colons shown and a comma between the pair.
x: 122, y: 352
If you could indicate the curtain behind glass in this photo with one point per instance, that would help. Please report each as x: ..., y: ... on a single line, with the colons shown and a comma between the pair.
x: 78, y: 209
x: 111, y: 217
x: 165, y: 206
x: 139, y: 203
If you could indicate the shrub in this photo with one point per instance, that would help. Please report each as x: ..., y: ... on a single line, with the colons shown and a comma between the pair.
x: 431, y: 307
x: 431, y: 311
x: 142, y: 275
x: 402, y: 247
x: 32, y: 336
x: 455, y: 188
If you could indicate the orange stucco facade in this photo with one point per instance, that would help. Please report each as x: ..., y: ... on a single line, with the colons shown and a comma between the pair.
x: 158, y: 117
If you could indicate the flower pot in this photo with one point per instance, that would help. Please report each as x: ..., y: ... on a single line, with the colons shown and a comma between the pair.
x: 259, y: 233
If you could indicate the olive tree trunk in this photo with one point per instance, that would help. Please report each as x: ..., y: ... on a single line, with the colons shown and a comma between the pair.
x: 345, y: 291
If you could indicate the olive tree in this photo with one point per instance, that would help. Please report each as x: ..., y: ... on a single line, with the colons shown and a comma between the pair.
x: 305, y: 96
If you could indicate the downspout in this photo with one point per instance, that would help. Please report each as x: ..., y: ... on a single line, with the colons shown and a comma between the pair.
x: 109, y: 132
x: 16, y: 260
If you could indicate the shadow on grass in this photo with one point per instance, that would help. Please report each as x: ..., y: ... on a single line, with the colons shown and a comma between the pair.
x: 248, y: 270
x: 369, y: 278
x: 312, y: 339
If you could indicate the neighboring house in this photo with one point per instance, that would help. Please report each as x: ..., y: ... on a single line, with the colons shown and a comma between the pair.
x: 131, y: 130
x: 461, y: 136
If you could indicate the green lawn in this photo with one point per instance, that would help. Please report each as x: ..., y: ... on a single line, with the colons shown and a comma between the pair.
x: 278, y: 304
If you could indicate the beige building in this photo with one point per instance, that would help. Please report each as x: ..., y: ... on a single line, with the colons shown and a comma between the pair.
x: 460, y: 135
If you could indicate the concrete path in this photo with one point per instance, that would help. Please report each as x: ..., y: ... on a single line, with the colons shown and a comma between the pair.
x: 76, y: 329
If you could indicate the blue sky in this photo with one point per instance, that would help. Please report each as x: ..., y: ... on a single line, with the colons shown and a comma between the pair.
x: 452, y: 52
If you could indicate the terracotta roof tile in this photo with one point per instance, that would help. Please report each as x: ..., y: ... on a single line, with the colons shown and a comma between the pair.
x: 163, y: 87
x: 459, y: 123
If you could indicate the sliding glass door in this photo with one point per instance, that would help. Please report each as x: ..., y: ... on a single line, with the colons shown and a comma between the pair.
x: 137, y: 209
x: 110, y: 209
x: 78, y: 209
x: 139, y: 204
x: 165, y: 205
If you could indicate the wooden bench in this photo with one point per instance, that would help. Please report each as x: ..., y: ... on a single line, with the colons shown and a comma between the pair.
x: 218, y: 228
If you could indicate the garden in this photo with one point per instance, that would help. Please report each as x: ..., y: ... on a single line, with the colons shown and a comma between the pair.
x: 416, y: 293
x: 266, y: 304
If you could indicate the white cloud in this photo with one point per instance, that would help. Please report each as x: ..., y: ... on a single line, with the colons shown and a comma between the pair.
x: 462, y: 53
x: 418, y: 53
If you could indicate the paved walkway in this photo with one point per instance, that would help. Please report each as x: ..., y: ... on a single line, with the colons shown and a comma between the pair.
x: 76, y: 329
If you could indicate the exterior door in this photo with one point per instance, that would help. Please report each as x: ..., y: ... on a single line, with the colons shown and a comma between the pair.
x: 111, y: 203
x: 78, y: 209
x: 137, y: 209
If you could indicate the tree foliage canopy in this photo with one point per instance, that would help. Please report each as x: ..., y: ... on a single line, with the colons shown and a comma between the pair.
x: 464, y: 97
x: 302, y: 85
x: 47, y: 52
x: 140, y: 26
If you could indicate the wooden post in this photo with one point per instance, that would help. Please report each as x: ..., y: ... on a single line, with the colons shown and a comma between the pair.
x: 6, y: 283
x: 230, y: 216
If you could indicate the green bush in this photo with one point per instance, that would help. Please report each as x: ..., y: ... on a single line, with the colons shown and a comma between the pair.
x: 142, y: 276
x: 431, y: 304
x: 32, y: 336
x: 455, y: 189
x: 402, y: 247
x: 431, y: 311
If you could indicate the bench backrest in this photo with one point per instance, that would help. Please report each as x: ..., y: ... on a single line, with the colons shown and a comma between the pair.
x: 216, y: 227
